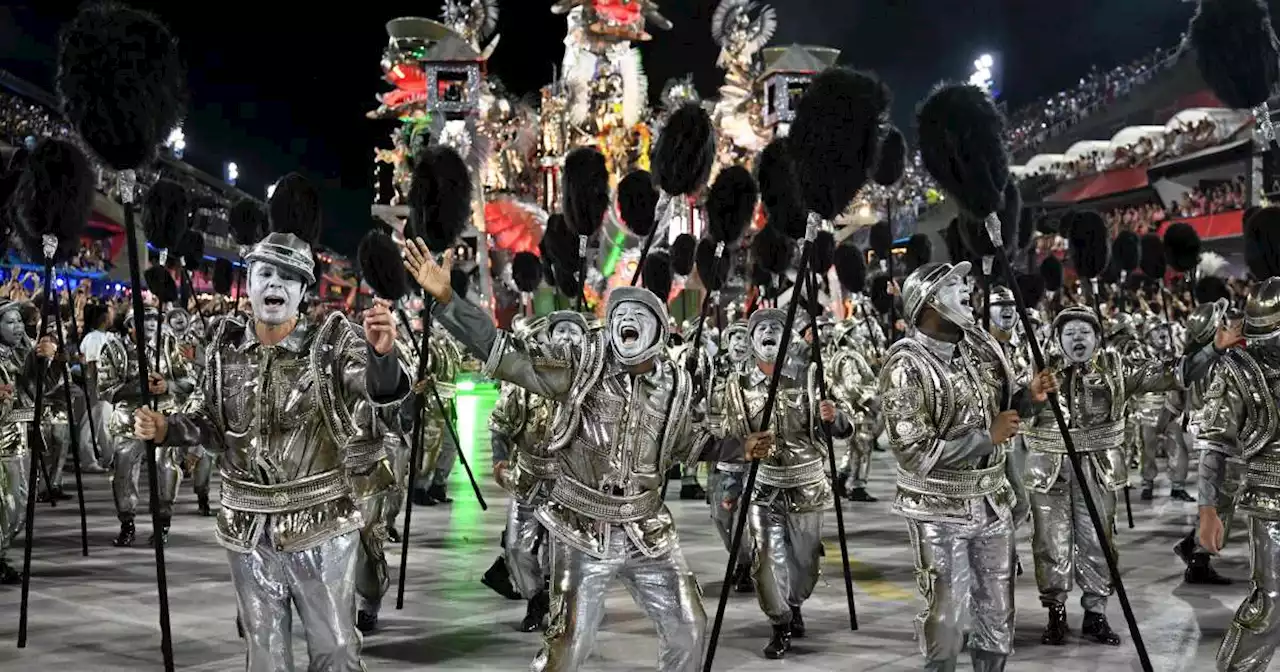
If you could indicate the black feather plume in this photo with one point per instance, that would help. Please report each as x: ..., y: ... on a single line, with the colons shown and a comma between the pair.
x: 1127, y: 251
x: 1182, y: 247
x: 460, y: 281
x: 835, y: 138
x: 161, y: 283
x: 1236, y: 50
x: 637, y: 200
x: 1032, y: 286
x: 1089, y: 245
x: 1210, y: 289
x: 380, y: 265
x: 1153, y: 262
x: 121, y: 82
x: 893, y: 158
x: 881, y: 299
x: 526, y: 271
x: 439, y: 197
x: 772, y: 251
x: 547, y: 263
x: 656, y: 274
x: 684, y: 151
x: 1262, y: 243
x: 294, y: 207
x: 731, y: 204
x: 191, y: 249
x: 956, y: 251
x: 52, y: 197
x: 1051, y: 273
x: 881, y: 239
x: 586, y: 190
x: 851, y: 268
x: 561, y: 243
x: 919, y: 251
x: 712, y: 273
x: 247, y: 221
x: 780, y: 189
x: 824, y: 251
x: 223, y: 272
x: 164, y: 214
x: 682, y: 251
x: 962, y: 146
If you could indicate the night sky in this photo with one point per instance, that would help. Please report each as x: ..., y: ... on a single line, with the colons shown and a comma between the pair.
x: 277, y: 90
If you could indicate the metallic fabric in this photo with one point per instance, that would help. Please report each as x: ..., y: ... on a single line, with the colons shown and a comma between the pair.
x: 371, y: 576
x: 14, y: 470
x: 725, y: 490
x: 126, y: 469
x: 199, y: 463
x: 527, y: 550
x: 1254, y: 633
x: 964, y: 573
x: 661, y: 585
x: 788, y: 556
x: 1065, y: 545
x: 319, y: 582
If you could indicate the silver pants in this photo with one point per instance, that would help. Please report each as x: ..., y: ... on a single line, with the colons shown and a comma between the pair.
x: 1254, y: 634
x: 788, y: 556
x: 200, y: 464
x: 127, y: 467
x: 663, y: 587
x: 57, y: 438
x: 1065, y: 545
x: 445, y: 460
x: 725, y: 490
x: 527, y: 550
x: 98, y: 428
x: 1148, y: 437
x: 856, y: 462
x: 1167, y: 431
x: 371, y: 576
x: 15, y: 469
x: 964, y: 573
x: 318, y: 582
x: 399, y: 458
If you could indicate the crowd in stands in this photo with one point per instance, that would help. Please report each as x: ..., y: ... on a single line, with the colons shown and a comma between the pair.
x: 1035, y: 123
x: 1140, y: 219
x: 1198, y: 202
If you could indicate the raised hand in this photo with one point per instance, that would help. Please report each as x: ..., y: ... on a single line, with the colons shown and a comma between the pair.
x: 379, y: 327
x: 432, y: 277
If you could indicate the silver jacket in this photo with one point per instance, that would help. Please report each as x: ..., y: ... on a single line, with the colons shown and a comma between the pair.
x: 611, y: 440
x: 520, y: 422
x: 282, y: 417
x: 126, y: 394
x: 17, y: 368
x: 1239, y: 419
x: 1096, y: 396
x: 939, y: 401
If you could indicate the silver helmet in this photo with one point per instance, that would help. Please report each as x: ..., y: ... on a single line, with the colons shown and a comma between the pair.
x: 921, y: 289
x: 1262, y: 311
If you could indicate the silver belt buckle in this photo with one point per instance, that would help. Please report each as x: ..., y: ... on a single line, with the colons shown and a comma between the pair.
x: 280, y: 499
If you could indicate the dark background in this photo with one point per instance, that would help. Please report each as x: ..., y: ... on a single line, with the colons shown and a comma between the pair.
x: 281, y: 86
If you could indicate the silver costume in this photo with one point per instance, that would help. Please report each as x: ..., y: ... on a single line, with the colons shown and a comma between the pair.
x: 853, y: 383
x: 1155, y: 413
x: 1239, y: 420
x: 611, y: 441
x: 728, y: 475
x: 17, y: 366
x: 955, y: 486
x: 283, y: 418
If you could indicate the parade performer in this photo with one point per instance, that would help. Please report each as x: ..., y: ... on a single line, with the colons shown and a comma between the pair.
x: 168, y: 383
x: 728, y: 474
x: 1097, y: 383
x: 198, y: 462
x: 440, y: 452
x: 793, y: 487
x: 279, y: 398
x: 56, y: 424
x: 951, y: 407
x: 105, y: 362
x: 623, y: 420
x: 373, y: 485
x: 518, y: 426
x: 1153, y: 415
x: 853, y: 382
x: 16, y: 388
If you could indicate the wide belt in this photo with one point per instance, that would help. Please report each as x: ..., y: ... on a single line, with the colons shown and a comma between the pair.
x: 303, y: 493
x: 792, y: 476
x: 1048, y: 439
x: 362, y: 455
x: 1265, y: 474
x: 949, y: 483
x: 21, y: 415
x: 537, y: 465
x: 733, y: 467
x: 605, y: 507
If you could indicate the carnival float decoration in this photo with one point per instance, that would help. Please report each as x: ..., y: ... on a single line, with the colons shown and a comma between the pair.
x: 742, y: 28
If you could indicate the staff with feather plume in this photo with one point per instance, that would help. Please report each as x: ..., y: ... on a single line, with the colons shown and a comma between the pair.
x: 121, y: 84
x: 961, y: 143
x: 48, y: 208
x: 289, y: 513
x: 806, y: 181
x: 856, y: 349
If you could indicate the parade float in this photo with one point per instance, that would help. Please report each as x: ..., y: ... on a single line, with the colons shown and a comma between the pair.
x: 441, y: 92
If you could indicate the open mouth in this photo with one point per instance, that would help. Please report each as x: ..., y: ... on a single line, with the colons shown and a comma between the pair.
x: 769, y: 342
x: 273, y: 301
x: 1079, y: 350
x: 630, y: 335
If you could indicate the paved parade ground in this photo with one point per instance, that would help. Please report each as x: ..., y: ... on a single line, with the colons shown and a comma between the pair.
x: 100, y: 613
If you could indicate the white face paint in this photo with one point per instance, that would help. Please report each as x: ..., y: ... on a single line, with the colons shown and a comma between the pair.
x: 150, y: 325
x: 1004, y: 317
x: 953, y: 301
x: 1079, y: 340
x: 198, y: 328
x: 274, y: 292
x: 739, y: 346
x: 178, y: 323
x: 12, y: 328
x: 766, y: 338
x: 566, y: 332
x: 1160, y: 339
x: 633, y: 328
